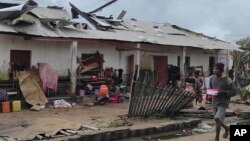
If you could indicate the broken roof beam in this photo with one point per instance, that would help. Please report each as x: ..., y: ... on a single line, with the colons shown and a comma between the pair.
x: 101, y: 7
x: 76, y: 11
x: 14, y: 12
x: 121, y: 15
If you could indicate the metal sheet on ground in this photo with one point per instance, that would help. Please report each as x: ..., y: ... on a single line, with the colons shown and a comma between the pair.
x: 23, y: 129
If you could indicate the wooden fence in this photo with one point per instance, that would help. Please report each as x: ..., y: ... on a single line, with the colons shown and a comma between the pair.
x: 149, y: 99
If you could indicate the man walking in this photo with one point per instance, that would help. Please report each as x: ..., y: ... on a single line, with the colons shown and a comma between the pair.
x: 226, y: 89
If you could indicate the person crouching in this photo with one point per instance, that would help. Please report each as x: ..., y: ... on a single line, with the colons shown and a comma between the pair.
x: 103, y: 95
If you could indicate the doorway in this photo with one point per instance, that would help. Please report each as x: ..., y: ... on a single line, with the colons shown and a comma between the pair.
x: 161, y: 69
x: 211, y: 65
x: 20, y: 59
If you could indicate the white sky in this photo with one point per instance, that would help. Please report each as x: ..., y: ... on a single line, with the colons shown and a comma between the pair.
x: 226, y: 19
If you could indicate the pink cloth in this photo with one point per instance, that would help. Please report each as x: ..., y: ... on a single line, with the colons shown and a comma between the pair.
x: 49, y: 76
x: 189, y: 87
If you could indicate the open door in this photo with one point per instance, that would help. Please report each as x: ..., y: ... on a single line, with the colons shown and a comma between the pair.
x: 161, y: 69
x: 211, y: 65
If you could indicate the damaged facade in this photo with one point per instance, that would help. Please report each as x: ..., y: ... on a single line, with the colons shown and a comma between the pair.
x: 33, y: 34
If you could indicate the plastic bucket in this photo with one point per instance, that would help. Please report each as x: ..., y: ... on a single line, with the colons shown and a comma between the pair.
x: 16, y: 106
x: 6, y: 107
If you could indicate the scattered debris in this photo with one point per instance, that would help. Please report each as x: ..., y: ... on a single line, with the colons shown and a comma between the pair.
x: 64, y: 133
x: 39, y: 137
x: 22, y: 21
x: 86, y: 127
x: 202, y: 113
x: 156, y: 26
x: 122, y: 121
x: 37, y: 108
x: 185, y: 133
x: 121, y: 15
x: 116, y: 123
x: 55, y: 7
x: 3, y: 138
x: 72, y: 131
x: 203, y: 128
x: 11, y: 13
x: 244, y: 114
x: 149, y: 99
x: 62, y: 104
x: 91, y: 20
x: 73, y: 104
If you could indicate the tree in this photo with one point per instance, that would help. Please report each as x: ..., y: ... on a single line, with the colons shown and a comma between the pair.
x: 244, y: 43
x: 240, y: 61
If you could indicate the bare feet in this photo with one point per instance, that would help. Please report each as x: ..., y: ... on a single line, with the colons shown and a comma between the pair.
x: 225, y: 135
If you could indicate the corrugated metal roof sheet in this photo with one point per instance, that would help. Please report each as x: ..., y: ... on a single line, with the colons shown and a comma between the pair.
x: 42, y: 12
x: 130, y: 31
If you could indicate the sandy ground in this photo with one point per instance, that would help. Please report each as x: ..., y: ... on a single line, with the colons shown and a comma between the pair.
x: 27, y: 124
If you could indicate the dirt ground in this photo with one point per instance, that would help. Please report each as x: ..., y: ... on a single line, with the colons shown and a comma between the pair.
x: 27, y: 124
x: 209, y: 136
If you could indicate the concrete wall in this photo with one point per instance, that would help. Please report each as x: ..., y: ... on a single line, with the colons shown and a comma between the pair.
x: 57, y: 54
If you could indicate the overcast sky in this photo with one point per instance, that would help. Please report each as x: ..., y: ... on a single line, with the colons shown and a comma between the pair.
x: 226, y: 19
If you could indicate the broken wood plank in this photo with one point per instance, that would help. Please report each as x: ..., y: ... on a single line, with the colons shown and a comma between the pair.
x: 90, y: 127
x: 64, y: 133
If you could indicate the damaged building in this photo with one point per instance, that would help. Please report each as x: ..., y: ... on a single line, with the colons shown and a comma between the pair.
x: 85, y: 45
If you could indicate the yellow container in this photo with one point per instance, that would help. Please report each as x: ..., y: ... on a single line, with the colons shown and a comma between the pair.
x: 16, y: 106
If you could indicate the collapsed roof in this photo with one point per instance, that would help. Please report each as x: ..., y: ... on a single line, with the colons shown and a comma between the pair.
x: 32, y: 20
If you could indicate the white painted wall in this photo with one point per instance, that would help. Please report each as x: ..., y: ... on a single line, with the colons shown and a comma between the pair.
x: 57, y: 54
x: 199, y: 58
